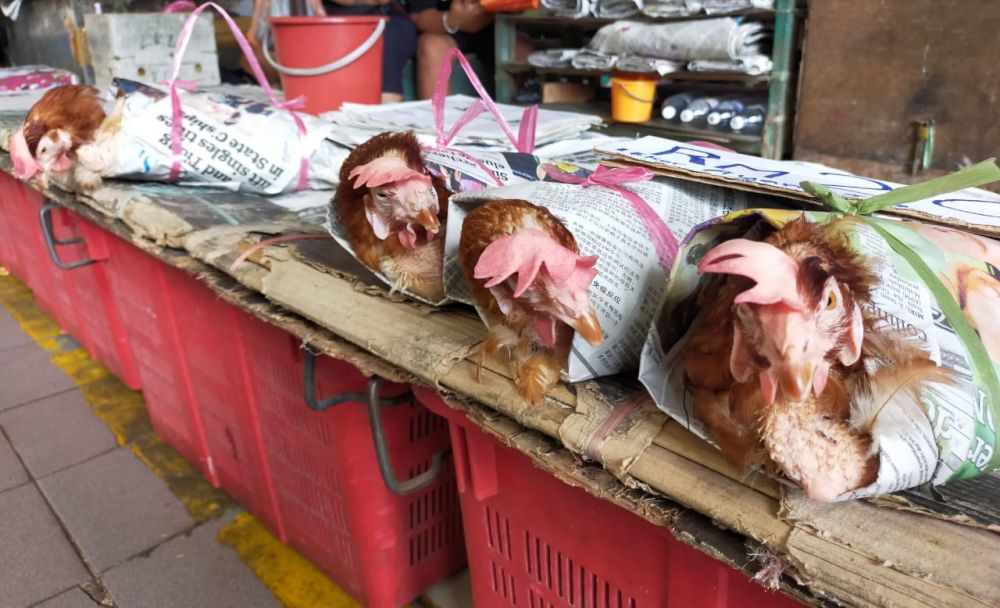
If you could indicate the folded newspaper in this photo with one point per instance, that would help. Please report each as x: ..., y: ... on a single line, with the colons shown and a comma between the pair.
x: 954, y: 437
x: 357, y: 123
x: 630, y: 281
x: 227, y: 142
x: 719, y: 38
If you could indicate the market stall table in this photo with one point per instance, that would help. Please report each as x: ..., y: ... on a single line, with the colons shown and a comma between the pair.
x: 903, y: 550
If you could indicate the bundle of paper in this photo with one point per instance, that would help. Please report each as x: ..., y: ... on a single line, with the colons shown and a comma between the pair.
x: 721, y: 38
x: 357, y: 123
x: 576, y: 9
x: 753, y: 65
x: 722, y: 7
x: 671, y: 8
x: 617, y: 9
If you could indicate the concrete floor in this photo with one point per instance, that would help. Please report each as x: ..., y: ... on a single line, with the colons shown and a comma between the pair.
x: 95, y: 510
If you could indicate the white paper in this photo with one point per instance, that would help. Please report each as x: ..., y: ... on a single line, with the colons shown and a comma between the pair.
x: 630, y: 281
x: 483, y: 130
x: 973, y: 206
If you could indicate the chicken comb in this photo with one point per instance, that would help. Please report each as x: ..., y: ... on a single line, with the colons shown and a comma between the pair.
x: 385, y: 170
x: 25, y: 165
x: 774, y: 271
x: 525, y: 253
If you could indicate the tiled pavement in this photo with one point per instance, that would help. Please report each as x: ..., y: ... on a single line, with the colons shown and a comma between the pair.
x: 84, y: 519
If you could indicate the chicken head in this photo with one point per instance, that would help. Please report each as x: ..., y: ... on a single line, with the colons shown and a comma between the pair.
x: 52, y: 151
x: 398, y: 199
x: 549, y: 279
x: 793, y: 324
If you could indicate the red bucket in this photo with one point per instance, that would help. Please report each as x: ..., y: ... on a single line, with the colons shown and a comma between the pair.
x: 329, y: 60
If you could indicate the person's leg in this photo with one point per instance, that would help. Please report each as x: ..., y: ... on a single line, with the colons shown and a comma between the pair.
x: 431, y: 49
x: 400, y: 47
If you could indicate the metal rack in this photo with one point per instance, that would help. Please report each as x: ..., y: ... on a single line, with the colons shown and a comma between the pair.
x: 778, y: 86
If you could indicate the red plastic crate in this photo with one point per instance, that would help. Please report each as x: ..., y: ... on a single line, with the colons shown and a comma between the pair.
x: 9, y: 196
x: 29, y: 258
x: 216, y: 365
x: 143, y: 287
x: 92, y: 301
x: 79, y: 299
x: 535, y: 541
x: 381, y: 548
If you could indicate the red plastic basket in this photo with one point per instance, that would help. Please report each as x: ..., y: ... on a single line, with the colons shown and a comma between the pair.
x: 218, y: 371
x: 143, y: 285
x: 9, y: 196
x: 535, y: 541
x: 27, y: 250
x: 80, y: 299
x: 94, y: 305
x: 381, y: 548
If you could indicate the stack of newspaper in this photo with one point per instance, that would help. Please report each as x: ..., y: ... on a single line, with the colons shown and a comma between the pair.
x: 358, y: 123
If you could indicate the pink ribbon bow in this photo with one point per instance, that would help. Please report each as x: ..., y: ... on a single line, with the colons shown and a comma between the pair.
x: 177, y: 127
x: 664, y: 242
x: 525, y: 140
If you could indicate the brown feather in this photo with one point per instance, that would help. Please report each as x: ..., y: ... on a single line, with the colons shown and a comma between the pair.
x: 75, y: 109
x: 536, y: 368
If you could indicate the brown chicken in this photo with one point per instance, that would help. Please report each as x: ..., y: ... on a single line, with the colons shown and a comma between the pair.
x: 56, y: 126
x: 525, y: 272
x: 807, y: 376
x: 393, y: 210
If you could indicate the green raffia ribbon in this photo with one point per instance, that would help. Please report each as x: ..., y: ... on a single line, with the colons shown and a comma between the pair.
x: 983, y: 370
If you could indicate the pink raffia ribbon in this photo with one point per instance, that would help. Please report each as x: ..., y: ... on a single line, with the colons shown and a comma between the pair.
x: 177, y: 114
x: 523, y: 142
x: 664, y: 242
x: 179, y: 5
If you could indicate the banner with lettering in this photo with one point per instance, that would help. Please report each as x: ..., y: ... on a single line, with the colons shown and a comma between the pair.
x: 971, y: 209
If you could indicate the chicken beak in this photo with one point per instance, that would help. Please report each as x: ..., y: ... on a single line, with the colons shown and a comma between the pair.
x: 429, y: 220
x: 589, y: 328
x: 796, y: 381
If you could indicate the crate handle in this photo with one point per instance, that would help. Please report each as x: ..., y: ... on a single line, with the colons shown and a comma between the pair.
x: 375, y: 405
x: 45, y: 216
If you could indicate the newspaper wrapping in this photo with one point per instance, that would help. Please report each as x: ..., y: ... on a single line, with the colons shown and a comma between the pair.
x: 462, y: 172
x: 228, y: 142
x: 630, y: 281
x: 953, y: 437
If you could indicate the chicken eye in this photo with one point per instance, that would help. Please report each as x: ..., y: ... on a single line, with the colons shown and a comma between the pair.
x: 831, y: 300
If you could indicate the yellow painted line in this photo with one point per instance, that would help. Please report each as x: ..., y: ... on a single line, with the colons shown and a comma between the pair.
x: 120, y: 408
x: 290, y: 577
x: 293, y: 580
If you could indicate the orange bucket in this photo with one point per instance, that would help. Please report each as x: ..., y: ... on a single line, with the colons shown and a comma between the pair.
x: 632, y: 96
x: 329, y: 60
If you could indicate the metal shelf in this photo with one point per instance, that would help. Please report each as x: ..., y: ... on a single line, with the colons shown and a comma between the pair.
x: 516, y: 67
x: 537, y: 18
x: 659, y: 126
x: 779, y: 84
